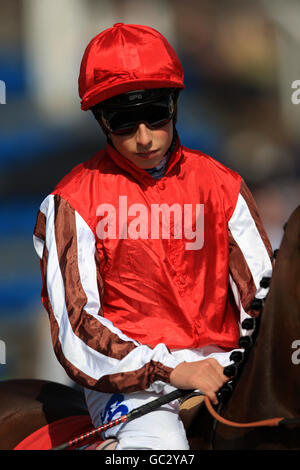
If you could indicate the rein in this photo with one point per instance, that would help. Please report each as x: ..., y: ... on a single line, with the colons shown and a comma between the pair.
x: 264, y: 422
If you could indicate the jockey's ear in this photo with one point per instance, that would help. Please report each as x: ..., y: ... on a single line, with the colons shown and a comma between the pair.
x: 97, y: 115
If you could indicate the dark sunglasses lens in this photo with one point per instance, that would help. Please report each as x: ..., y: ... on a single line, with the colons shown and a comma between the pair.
x: 124, y: 122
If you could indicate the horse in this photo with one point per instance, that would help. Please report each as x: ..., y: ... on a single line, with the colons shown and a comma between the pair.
x: 268, y: 379
x: 266, y: 382
x: 26, y: 405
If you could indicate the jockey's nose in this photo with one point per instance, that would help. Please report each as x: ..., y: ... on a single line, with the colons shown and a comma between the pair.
x: 143, y: 136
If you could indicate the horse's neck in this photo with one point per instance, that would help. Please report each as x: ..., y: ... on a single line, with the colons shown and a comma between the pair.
x: 280, y: 323
x: 269, y: 384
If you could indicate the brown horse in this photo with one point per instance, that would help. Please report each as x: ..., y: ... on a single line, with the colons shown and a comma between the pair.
x: 267, y: 384
x: 27, y: 405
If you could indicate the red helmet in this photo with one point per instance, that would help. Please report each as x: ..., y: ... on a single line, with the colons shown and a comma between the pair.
x: 125, y: 58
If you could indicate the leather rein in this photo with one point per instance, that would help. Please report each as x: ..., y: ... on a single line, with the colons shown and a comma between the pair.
x: 252, y: 424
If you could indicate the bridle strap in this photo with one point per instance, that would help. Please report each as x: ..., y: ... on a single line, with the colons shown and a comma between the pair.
x: 264, y: 422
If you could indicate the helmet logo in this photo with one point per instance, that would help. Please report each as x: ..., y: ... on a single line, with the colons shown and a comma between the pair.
x: 133, y: 97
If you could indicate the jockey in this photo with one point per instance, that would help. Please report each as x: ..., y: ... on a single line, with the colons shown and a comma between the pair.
x: 151, y: 253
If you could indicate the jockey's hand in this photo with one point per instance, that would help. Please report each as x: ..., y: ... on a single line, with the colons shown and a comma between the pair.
x: 206, y: 376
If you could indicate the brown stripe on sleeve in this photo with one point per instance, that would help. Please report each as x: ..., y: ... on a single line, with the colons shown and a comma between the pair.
x: 241, y: 274
x: 100, y: 282
x: 73, y: 372
x: 44, y: 293
x: 40, y: 226
x: 246, y: 193
x: 134, y: 381
x: 85, y: 326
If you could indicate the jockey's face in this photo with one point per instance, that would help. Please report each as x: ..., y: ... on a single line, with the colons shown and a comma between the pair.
x: 145, y: 147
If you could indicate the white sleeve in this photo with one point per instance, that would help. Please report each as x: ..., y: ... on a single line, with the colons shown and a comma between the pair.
x: 250, y: 257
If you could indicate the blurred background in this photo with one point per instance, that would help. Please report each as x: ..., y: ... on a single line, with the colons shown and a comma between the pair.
x: 241, y: 61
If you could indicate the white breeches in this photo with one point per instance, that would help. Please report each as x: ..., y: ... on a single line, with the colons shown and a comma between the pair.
x: 161, y: 429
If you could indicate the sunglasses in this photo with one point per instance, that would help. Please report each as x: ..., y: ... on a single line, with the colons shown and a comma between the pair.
x: 126, y: 121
